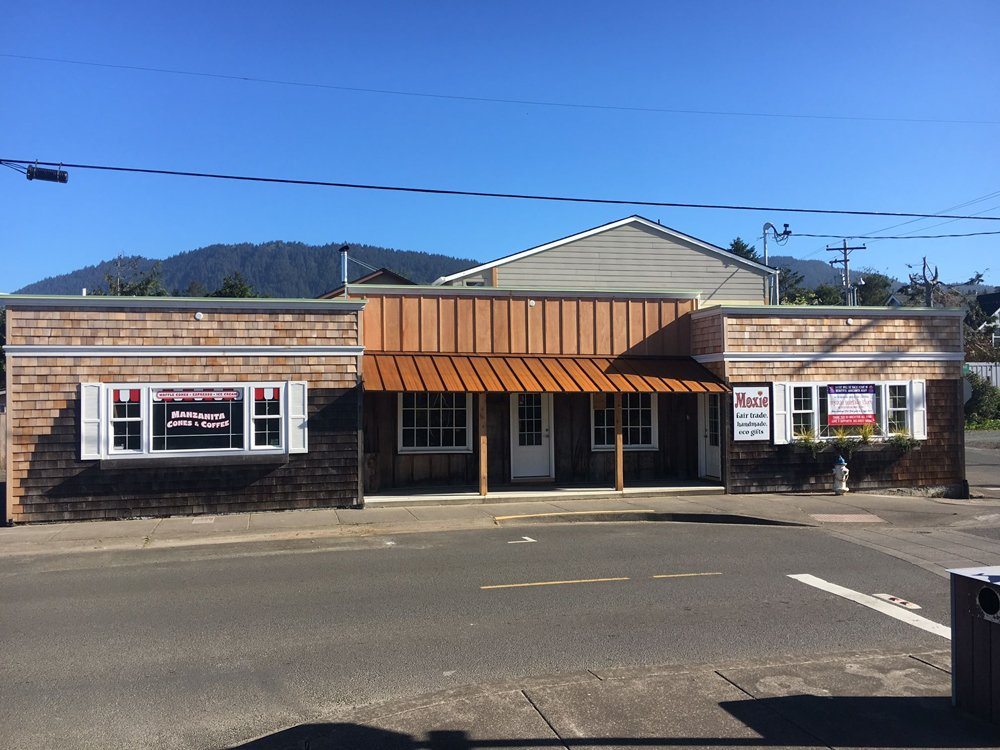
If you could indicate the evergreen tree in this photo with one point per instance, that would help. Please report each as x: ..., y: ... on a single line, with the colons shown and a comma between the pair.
x: 828, y: 294
x: 234, y: 285
x: 129, y: 280
x: 742, y: 249
x: 876, y: 289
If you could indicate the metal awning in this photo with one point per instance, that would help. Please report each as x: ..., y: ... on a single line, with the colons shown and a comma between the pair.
x: 517, y: 373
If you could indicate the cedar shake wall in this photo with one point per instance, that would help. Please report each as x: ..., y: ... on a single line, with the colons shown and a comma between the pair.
x: 833, y: 333
x: 48, y: 482
x: 939, y: 461
x: 761, y: 467
x: 107, y: 326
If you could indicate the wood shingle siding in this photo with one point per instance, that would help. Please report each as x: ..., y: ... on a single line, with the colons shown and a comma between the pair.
x: 47, y: 480
x: 938, y: 464
x: 634, y: 258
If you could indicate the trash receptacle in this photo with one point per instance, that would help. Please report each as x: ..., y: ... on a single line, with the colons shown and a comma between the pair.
x: 975, y: 641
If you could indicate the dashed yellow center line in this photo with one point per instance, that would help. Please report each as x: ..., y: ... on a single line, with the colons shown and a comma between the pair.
x: 549, y: 583
x: 685, y: 575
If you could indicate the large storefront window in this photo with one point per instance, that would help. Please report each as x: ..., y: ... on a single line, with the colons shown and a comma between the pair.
x: 435, y: 423
x: 638, y: 421
x: 142, y: 419
x: 825, y: 411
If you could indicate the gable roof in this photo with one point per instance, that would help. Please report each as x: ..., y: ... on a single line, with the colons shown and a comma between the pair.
x: 667, y: 232
x: 381, y: 276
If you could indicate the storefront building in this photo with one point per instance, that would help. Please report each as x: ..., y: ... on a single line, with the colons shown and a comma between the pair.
x: 125, y: 407
x: 626, y: 354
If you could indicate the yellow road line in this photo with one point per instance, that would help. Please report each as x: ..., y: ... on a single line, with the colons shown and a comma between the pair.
x: 568, y: 513
x: 685, y: 575
x: 549, y: 583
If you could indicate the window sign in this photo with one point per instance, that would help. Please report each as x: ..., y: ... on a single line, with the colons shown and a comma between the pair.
x: 751, y: 412
x: 136, y: 420
x: 850, y: 405
x: 187, y: 419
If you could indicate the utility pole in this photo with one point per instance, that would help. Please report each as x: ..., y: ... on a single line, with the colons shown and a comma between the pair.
x: 773, y: 289
x: 850, y: 290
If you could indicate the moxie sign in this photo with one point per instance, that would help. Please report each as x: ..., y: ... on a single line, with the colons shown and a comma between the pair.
x: 751, y: 412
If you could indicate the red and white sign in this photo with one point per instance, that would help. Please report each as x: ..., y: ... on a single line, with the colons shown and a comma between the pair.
x: 849, y: 405
x: 751, y: 412
x: 191, y: 394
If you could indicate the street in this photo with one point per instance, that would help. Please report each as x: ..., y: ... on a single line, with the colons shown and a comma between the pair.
x: 210, y: 646
x: 982, y: 462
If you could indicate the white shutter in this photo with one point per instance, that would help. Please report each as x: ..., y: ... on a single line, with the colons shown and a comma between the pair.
x: 298, y: 433
x: 918, y: 409
x: 91, y: 408
x: 779, y: 396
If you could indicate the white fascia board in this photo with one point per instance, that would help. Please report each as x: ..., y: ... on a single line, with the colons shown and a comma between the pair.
x: 516, y: 292
x: 828, y: 311
x: 182, y: 351
x: 666, y: 231
x: 830, y: 357
x: 262, y: 304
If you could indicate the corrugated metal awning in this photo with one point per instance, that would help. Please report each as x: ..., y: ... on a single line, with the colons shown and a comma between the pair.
x: 518, y: 373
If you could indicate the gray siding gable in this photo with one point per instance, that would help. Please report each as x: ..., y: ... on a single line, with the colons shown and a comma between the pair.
x: 634, y: 257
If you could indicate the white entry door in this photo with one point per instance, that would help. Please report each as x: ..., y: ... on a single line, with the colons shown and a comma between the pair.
x: 531, y: 436
x: 710, y: 422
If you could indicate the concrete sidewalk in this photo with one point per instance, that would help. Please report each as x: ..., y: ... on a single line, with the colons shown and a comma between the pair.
x: 861, y: 700
x: 929, y: 532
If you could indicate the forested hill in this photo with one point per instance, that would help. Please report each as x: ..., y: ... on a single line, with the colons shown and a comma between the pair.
x: 273, y: 269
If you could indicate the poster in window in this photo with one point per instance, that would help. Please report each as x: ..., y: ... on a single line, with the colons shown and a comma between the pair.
x: 850, y: 405
x: 197, y: 419
x: 751, y: 412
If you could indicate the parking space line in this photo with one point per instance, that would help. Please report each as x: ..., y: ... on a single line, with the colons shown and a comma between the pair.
x: 549, y: 583
x: 877, y: 604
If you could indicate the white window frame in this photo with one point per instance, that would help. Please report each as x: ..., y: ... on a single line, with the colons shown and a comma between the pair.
x: 654, y: 424
x: 145, y: 390
x: 470, y: 422
x: 813, y: 409
x: 110, y: 421
x: 882, y: 418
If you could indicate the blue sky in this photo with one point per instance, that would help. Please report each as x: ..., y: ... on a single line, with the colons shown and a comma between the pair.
x: 893, y: 59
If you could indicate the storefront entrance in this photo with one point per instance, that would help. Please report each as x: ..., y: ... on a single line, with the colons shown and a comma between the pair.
x: 710, y: 427
x: 531, y: 454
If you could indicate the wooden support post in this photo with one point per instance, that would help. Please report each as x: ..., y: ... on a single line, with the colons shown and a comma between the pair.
x: 619, y: 446
x: 482, y: 444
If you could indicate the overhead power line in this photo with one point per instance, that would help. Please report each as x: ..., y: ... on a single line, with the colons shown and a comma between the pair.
x: 495, y: 100
x: 486, y: 194
x: 896, y: 237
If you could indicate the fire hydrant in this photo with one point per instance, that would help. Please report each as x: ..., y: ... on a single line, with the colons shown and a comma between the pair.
x: 840, y: 474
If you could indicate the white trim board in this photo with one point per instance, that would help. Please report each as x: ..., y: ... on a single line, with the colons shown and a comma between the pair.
x: 827, y: 311
x: 183, y: 351
x: 831, y: 357
x: 518, y: 292
x: 181, y: 303
x: 672, y: 234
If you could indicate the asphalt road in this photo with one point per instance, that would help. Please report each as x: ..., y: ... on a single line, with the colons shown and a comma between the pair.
x: 208, y: 647
x: 982, y: 462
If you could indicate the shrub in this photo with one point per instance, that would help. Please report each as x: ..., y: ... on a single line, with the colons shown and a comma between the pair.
x: 985, y: 401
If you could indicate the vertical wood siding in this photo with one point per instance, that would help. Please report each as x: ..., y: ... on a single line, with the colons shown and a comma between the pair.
x: 506, y: 325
